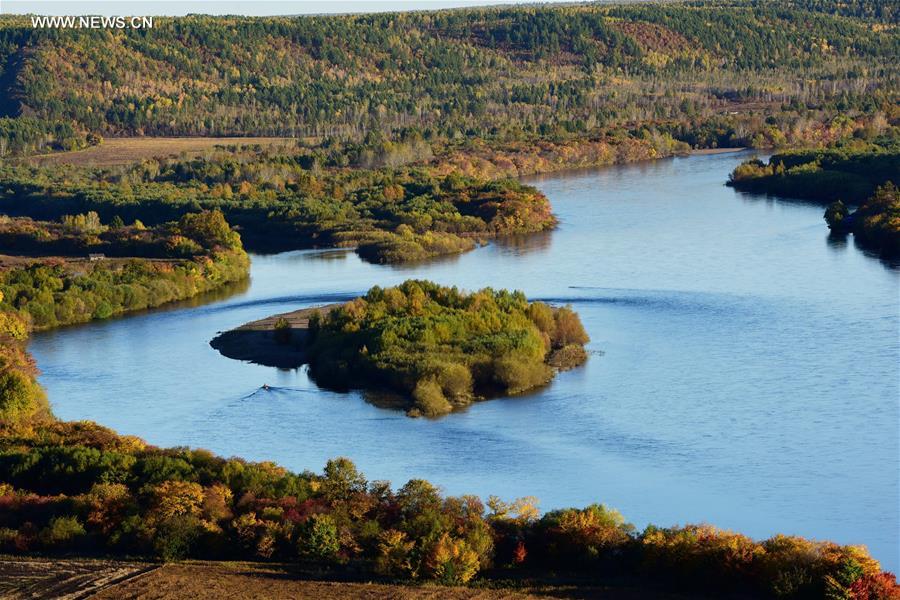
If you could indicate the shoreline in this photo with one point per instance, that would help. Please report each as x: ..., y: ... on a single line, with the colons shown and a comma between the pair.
x: 710, y: 151
x: 255, y: 341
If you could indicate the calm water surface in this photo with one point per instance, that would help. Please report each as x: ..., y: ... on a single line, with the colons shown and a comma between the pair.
x: 745, y: 374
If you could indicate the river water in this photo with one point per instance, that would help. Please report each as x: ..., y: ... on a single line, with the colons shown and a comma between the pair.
x: 744, y: 368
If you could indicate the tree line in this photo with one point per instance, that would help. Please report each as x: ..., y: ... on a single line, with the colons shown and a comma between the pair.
x: 842, y: 176
x: 78, y: 487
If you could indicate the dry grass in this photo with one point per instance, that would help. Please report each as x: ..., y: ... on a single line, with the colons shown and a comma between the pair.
x: 239, y: 581
x: 75, y: 264
x: 70, y: 579
x: 121, y: 151
x: 243, y: 581
x: 112, y: 580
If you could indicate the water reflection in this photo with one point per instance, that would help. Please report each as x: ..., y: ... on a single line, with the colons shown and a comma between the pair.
x: 837, y: 241
x: 526, y: 244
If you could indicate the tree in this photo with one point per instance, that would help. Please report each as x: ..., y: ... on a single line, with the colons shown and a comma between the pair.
x: 835, y: 215
x: 342, y: 480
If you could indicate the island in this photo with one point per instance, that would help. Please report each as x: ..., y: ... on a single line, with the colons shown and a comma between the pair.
x: 436, y: 349
x: 856, y: 174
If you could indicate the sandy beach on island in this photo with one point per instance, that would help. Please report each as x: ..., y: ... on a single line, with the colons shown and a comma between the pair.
x: 256, y: 342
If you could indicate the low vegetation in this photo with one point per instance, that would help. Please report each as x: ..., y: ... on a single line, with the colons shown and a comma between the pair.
x: 442, y: 348
x: 56, y: 291
x: 843, y: 176
x: 285, y: 200
x: 62, y: 291
x: 80, y: 488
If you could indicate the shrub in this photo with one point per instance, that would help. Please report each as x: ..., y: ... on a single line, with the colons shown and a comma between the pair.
x: 569, y: 329
x: 452, y: 562
x: 319, y: 538
x: 175, y: 537
x: 835, y: 215
x: 282, y: 330
x: 429, y: 398
x: 517, y: 376
x: 61, y: 533
x: 568, y: 357
x: 20, y: 396
x: 394, y: 550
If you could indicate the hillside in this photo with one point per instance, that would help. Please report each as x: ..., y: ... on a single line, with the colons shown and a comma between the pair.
x: 488, y: 73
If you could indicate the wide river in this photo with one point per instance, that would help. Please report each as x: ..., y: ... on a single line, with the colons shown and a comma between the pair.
x: 745, y: 368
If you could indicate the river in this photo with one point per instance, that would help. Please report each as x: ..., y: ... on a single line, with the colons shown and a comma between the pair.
x: 744, y: 367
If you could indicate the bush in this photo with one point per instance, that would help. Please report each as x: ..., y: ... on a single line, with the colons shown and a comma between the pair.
x: 394, y: 551
x: 452, y: 561
x: 835, y: 215
x: 175, y: 537
x: 516, y: 376
x: 568, y: 357
x: 429, y: 398
x: 21, y: 397
x: 62, y: 533
x: 319, y: 538
x: 282, y: 330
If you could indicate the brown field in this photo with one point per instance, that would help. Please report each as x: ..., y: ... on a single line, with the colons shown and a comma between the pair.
x: 70, y: 579
x: 112, y: 580
x: 122, y: 151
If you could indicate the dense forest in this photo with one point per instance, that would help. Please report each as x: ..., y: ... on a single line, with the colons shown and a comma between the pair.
x: 856, y: 174
x: 735, y: 72
x: 443, y: 348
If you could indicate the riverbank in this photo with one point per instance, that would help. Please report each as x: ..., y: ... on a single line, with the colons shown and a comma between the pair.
x: 712, y: 151
x: 260, y: 342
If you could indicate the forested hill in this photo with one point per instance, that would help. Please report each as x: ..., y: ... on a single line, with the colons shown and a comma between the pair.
x: 457, y: 73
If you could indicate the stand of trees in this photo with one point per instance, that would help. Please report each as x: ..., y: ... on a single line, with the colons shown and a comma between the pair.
x: 78, y: 487
x: 441, y: 348
x: 858, y: 174
x: 289, y: 200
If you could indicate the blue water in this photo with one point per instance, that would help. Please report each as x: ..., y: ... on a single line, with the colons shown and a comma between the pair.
x: 746, y: 369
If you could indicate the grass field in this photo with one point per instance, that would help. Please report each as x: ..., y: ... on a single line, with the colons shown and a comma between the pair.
x: 73, y: 579
x: 120, y: 151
